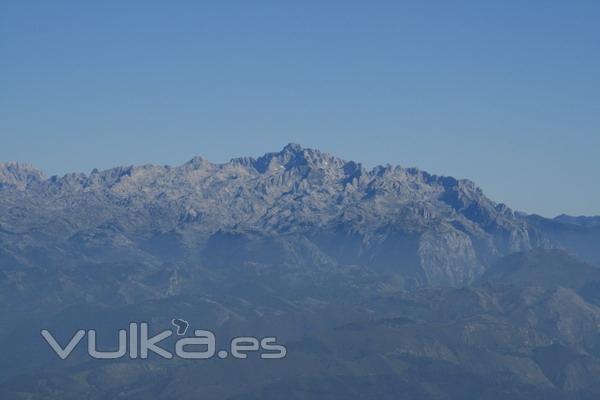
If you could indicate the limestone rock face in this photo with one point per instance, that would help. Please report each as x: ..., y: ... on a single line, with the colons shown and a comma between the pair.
x: 381, y: 282
x: 428, y: 229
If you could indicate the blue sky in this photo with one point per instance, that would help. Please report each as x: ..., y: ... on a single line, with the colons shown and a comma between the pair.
x: 506, y: 93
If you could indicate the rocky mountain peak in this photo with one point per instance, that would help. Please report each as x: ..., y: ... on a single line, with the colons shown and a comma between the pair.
x: 197, y: 162
x: 19, y: 175
x: 295, y: 156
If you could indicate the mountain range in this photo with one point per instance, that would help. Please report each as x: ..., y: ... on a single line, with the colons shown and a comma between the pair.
x: 380, y: 281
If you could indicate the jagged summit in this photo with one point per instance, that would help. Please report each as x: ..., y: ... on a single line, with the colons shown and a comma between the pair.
x: 294, y: 155
x: 19, y: 175
x: 291, y: 156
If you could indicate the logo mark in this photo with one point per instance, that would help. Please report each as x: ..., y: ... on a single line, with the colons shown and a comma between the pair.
x: 181, y: 325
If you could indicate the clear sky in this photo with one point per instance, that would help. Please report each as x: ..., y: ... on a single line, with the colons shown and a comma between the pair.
x: 506, y: 93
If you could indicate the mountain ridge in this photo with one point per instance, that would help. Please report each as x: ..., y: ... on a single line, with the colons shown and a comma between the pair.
x: 449, y: 230
x: 291, y: 155
x: 320, y: 252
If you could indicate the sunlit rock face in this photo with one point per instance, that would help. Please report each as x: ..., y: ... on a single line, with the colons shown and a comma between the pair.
x: 425, y: 228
